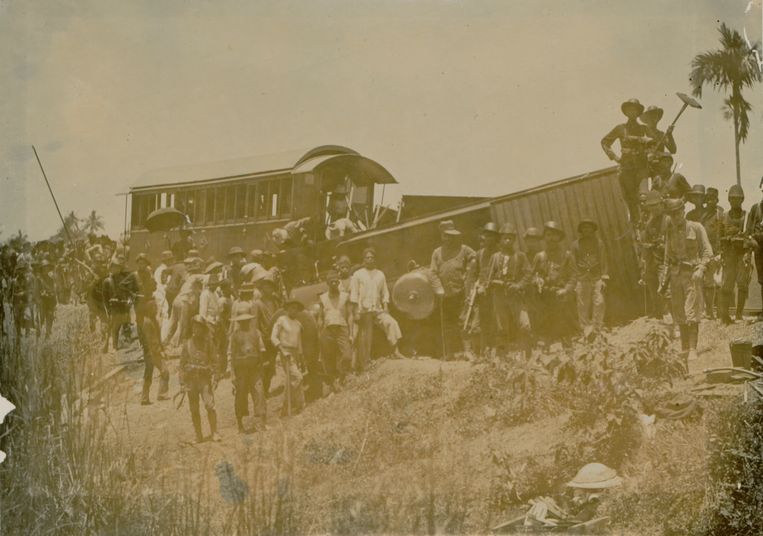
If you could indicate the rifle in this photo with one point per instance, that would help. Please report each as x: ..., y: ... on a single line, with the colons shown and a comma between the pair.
x: 473, y: 295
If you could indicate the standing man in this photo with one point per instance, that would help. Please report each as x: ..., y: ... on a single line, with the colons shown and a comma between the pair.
x: 119, y: 291
x: 266, y: 305
x: 335, y: 321
x: 634, y: 167
x: 153, y: 355
x: 479, y: 323
x: 687, y: 254
x: 286, y: 337
x: 711, y: 220
x: 754, y: 230
x: 697, y: 198
x: 592, y: 275
x: 369, y: 297
x: 47, y: 291
x: 651, y: 244
x: 247, y: 353
x: 145, y: 294
x: 554, y: 277
x: 209, y: 310
x: 660, y: 141
x: 232, y: 270
x: 509, y: 285
x: 343, y: 267
x: 735, y: 253
x: 197, y: 365
x: 449, y: 263
x: 533, y: 238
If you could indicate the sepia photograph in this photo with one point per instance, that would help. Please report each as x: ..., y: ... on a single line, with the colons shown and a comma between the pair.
x: 381, y: 267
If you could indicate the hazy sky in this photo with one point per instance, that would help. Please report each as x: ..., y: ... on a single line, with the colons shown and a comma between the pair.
x: 469, y: 98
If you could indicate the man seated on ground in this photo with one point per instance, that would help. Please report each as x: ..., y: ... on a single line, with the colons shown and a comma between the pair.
x: 369, y: 296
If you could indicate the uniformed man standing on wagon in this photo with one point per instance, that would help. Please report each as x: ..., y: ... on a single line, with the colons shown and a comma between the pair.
x: 735, y: 252
x: 479, y: 324
x: 688, y: 252
x: 634, y: 167
x: 511, y: 280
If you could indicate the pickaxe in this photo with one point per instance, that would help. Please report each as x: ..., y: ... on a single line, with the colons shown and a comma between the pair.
x: 688, y: 101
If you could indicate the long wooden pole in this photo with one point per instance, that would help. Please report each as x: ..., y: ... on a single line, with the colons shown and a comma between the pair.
x: 44, y: 176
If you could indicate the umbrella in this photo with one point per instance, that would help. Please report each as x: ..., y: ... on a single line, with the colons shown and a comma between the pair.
x: 164, y: 219
x: 413, y: 295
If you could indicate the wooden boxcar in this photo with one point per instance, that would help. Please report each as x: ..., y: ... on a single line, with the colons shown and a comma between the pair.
x: 595, y: 195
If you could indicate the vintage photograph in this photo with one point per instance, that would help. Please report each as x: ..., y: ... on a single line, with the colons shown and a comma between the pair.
x: 392, y: 267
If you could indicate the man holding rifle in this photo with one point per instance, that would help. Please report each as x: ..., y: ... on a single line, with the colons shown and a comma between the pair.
x: 479, y: 320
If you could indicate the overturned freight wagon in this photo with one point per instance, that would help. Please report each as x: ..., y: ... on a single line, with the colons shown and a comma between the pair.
x: 593, y: 195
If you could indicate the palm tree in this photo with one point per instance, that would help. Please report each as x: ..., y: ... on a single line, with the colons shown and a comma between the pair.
x: 730, y: 68
x: 92, y: 223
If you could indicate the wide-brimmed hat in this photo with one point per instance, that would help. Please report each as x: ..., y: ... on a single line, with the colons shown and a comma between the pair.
x: 711, y: 192
x: 697, y: 189
x: 553, y: 227
x: 294, y: 303
x: 446, y: 225
x: 508, y: 229
x: 653, y: 198
x: 533, y: 232
x: 194, y: 253
x: 595, y: 476
x: 653, y: 111
x: 587, y: 221
x: 451, y: 232
x: 490, y: 227
x: 674, y: 205
x: 142, y: 257
x: 632, y: 104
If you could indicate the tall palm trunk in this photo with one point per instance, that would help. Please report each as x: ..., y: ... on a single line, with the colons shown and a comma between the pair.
x: 736, y: 146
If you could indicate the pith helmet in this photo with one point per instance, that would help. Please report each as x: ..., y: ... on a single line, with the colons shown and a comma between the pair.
x: 595, y: 476
x: 653, y: 198
x: 697, y: 189
x: 553, y: 227
x: 490, y: 227
x: 589, y: 222
x: 632, y: 104
x: 674, y: 205
x: 654, y: 111
x: 736, y: 191
x: 508, y: 229
x: 533, y: 232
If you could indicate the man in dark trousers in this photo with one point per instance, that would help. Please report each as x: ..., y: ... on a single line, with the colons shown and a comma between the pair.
x: 754, y: 229
x: 634, y: 167
x: 591, y: 275
x: 735, y: 253
x: 197, y: 366
x: 511, y: 280
x: 335, y: 321
x: 480, y: 324
x: 449, y: 263
x: 119, y: 291
x: 153, y: 355
x: 554, y: 279
x: 651, y: 245
x: 247, y: 352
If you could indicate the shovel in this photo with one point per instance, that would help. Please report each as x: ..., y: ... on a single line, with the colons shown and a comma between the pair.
x: 688, y: 101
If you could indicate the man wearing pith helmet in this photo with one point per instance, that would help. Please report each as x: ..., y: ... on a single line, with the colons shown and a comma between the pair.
x: 687, y: 253
x: 736, y: 248
x: 634, y: 168
x: 754, y: 229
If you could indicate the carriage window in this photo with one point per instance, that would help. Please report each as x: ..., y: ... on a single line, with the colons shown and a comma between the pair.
x: 251, y: 201
x: 240, y: 202
x: 273, y: 190
x: 179, y: 201
x: 230, y: 201
x: 285, y: 207
x: 219, y: 204
x: 190, y: 205
x: 210, y: 208
x: 263, y: 208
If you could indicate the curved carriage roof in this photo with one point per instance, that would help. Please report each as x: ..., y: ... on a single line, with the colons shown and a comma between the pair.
x: 303, y: 161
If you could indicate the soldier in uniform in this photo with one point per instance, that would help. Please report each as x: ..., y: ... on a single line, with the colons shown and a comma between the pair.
x: 247, y: 352
x: 634, y: 167
x: 554, y: 279
x: 696, y: 196
x: 480, y: 314
x: 711, y: 219
x: 735, y: 255
x: 660, y: 143
x: 687, y: 253
x: 119, y: 291
x: 449, y: 263
x: 509, y: 285
x: 754, y: 229
x: 47, y: 292
x: 591, y: 274
x: 197, y: 365
x: 651, y: 244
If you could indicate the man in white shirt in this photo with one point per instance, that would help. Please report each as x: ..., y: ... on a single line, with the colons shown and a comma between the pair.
x: 335, y: 320
x: 369, y: 297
